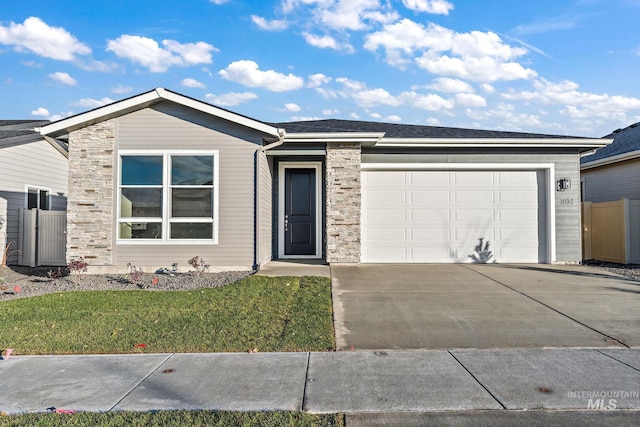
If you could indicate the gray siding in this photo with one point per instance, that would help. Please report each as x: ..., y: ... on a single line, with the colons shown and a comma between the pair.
x: 613, y: 182
x: 567, y: 203
x: 168, y: 126
x: 35, y: 164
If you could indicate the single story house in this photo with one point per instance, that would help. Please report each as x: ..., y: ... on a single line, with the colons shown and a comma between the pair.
x: 159, y: 178
x: 613, y: 172
x: 33, y: 175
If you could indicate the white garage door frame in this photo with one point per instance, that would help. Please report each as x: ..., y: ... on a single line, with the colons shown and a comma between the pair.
x: 547, y: 168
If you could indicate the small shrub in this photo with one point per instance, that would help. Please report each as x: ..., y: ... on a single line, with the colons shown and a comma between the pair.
x: 77, y: 267
x: 198, y: 264
x: 135, y: 273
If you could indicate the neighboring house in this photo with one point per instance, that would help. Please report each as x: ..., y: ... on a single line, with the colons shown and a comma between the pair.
x: 159, y: 178
x: 610, y: 182
x: 33, y: 174
x: 613, y: 172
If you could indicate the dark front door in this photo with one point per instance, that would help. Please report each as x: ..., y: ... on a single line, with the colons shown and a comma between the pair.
x: 299, y: 211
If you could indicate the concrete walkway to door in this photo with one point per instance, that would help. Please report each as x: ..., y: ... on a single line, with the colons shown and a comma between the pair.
x: 482, y: 306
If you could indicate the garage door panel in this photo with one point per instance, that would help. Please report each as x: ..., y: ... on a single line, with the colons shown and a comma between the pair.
x: 384, y: 197
x: 434, y: 254
x: 443, y: 214
x: 435, y: 235
x: 428, y: 178
x: 474, y: 196
x: 386, y: 216
x: 517, y: 196
x: 474, y: 216
x: 475, y: 179
x: 388, y: 235
x: 430, y: 196
x: 433, y: 216
x: 517, y: 216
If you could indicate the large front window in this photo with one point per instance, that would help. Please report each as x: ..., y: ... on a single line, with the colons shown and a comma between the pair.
x: 168, y: 196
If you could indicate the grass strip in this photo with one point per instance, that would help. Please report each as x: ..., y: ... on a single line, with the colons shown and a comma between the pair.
x: 174, y: 418
x: 261, y: 313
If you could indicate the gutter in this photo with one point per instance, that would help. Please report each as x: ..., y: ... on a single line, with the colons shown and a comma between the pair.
x: 611, y: 160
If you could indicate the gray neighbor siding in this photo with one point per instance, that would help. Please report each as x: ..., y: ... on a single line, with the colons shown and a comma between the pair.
x: 567, y: 203
x: 612, y: 182
x: 168, y: 126
x: 35, y: 164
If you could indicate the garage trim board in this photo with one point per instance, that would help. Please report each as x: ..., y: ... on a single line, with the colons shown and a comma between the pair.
x: 398, y: 235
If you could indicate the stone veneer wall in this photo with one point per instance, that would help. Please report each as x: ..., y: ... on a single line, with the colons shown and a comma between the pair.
x: 90, y: 206
x: 343, y: 202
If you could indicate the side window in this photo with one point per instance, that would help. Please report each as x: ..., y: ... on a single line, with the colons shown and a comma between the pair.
x: 38, y: 198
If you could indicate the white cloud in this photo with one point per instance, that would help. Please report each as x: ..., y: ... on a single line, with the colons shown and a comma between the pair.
x: 326, y: 42
x: 304, y: 118
x: 477, y: 56
x: 376, y: 116
x: 487, y: 88
x: 470, y: 100
x: 218, y: 2
x: 120, y: 89
x: 40, y: 112
x: 56, y: 117
x: 438, y: 7
x: 354, y: 14
x: 36, y: 36
x: 317, y: 80
x: 292, y: 108
x: 510, y: 119
x: 147, y: 53
x: 327, y: 93
x: 433, y: 121
x: 63, y: 78
x: 92, y: 103
x: 189, y: 82
x: 249, y: 74
x: 445, y: 84
x: 394, y: 118
x: 231, y: 98
x: 577, y: 105
x: 329, y: 112
x: 273, y: 25
x: 365, y: 97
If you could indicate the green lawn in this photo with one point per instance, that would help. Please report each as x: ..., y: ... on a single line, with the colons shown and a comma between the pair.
x: 174, y: 418
x: 263, y: 313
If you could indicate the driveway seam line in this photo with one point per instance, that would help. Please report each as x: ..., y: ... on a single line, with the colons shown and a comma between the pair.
x: 617, y: 360
x: 306, y: 381
x: 547, y: 306
x: 478, y: 381
x: 140, y: 382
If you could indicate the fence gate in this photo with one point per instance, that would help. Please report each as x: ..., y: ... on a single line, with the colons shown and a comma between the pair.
x: 43, y: 238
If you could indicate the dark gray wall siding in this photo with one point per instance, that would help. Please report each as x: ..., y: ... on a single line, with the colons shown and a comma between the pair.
x: 567, y: 203
x: 613, y: 182
x: 169, y: 126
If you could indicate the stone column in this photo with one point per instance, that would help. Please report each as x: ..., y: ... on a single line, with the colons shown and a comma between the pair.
x: 90, y: 208
x: 343, y: 201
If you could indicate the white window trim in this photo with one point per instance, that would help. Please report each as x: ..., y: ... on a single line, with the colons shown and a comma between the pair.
x: 300, y: 165
x: 28, y: 187
x: 166, y: 185
x: 548, y: 168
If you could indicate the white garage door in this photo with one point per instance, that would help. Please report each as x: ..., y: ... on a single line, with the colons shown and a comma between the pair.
x: 440, y: 216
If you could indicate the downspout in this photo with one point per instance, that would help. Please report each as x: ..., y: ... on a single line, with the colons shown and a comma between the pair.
x: 278, y: 142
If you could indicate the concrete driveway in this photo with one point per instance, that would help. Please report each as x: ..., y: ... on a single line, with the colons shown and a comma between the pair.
x: 482, y: 306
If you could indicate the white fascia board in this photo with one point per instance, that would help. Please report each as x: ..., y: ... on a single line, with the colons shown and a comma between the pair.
x: 495, y: 142
x: 101, y: 113
x: 218, y: 112
x: 362, y: 137
x: 143, y: 100
x: 631, y: 155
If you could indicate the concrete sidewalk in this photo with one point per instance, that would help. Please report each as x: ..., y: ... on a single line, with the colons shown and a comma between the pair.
x: 350, y: 382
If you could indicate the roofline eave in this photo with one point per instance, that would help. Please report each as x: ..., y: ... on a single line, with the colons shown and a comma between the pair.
x: 630, y: 155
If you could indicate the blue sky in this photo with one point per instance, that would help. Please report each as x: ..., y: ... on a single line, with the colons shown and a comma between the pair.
x: 547, y: 66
